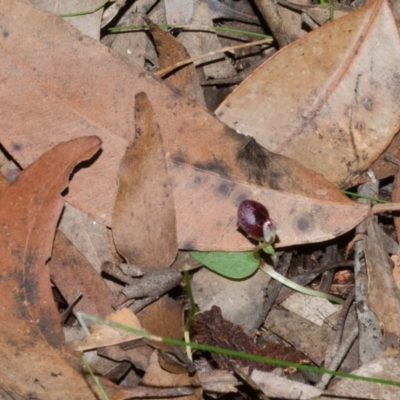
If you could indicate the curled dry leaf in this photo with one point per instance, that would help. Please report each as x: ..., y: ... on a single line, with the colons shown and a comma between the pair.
x: 328, y: 100
x: 170, y: 51
x: 32, y: 348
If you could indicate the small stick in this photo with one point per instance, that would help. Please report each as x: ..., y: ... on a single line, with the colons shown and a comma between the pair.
x: 69, y: 309
x: 337, y: 360
x: 167, y: 70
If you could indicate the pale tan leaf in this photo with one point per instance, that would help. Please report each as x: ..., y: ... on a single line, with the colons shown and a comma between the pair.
x: 102, y: 335
x: 328, y: 100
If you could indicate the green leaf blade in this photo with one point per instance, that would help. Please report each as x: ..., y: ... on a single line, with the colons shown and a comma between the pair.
x: 233, y: 265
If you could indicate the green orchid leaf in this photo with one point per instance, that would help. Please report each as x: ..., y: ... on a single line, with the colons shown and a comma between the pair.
x: 234, y: 265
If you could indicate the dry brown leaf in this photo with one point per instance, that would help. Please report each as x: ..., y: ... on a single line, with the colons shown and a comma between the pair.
x: 281, y: 173
x: 158, y: 377
x: 89, y: 237
x: 144, y: 225
x: 299, y: 219
x: 383, y: 294
x: 163, y: 318
x: 138, y: 356
x: 4, y: 184
x: 302, y: 334
x: 72, y: 274
x: 279, y: 387
x: 381, y: 167
x: 328, y: 100
x: 396, y: 198
x: 170, y: 51
x: 32, y: 349
x: 285, y: 24
x: 179, y: 12
x: 47, y: 79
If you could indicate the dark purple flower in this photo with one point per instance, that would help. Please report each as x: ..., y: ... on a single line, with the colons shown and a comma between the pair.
x: 254, y: 219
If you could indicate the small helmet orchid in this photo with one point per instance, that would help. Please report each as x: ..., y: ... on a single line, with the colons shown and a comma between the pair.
x: 253, y: 218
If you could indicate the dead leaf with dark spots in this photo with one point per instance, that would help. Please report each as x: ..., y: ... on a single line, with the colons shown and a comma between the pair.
x: 144, y: 224
x: 277, y: 172
x: 69, y: 95
x: 32, y: 352
x: 210, y: 217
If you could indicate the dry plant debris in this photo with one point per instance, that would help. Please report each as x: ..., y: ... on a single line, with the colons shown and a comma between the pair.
x: 155, y: 173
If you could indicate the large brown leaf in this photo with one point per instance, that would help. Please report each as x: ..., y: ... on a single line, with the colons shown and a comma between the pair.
x: 32, y: 344
x: 328, y: 100
x: 53, y: 87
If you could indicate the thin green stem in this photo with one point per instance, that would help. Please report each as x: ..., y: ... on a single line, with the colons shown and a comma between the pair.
x: 95, y: 378
x: 238, y: 354
x: 295, y: 286
x: 85, y: 12
x: 128, y: 28
x: 331, y: 10
x: 285, y: 281
x: 375, y: 199
x: 192, y: 312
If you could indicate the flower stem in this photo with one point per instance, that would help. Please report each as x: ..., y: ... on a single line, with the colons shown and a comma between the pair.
x: 295, y: 286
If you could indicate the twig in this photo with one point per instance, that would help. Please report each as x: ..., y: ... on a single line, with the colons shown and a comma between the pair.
x: 167, y: 70
x: 337, y: 360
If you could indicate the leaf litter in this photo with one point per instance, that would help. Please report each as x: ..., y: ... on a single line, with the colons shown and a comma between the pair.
x: 194, y: 171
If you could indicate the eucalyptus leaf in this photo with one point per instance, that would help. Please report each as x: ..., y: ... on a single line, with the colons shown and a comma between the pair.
x: 234, y: 265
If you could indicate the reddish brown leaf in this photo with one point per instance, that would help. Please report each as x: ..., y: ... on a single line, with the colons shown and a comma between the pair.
x: 144, y: 225
x: 32, y: 343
